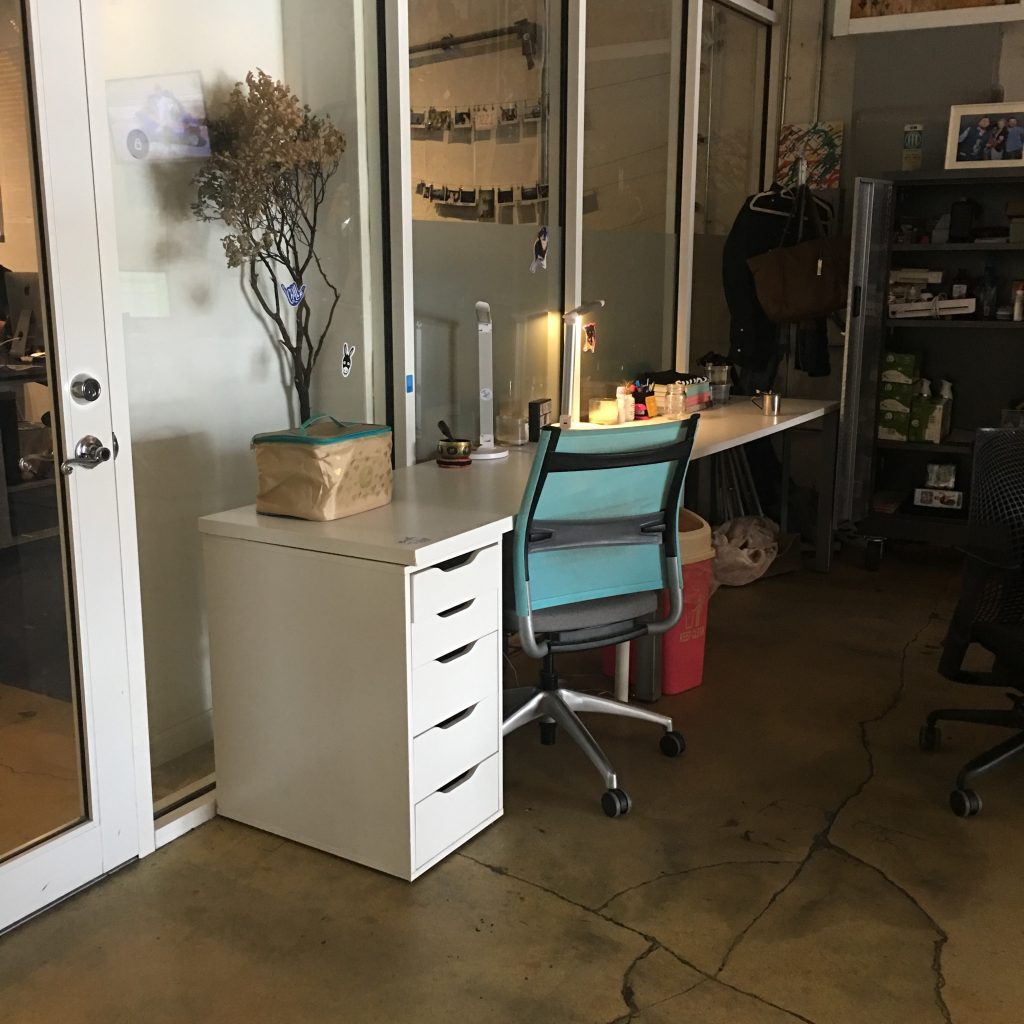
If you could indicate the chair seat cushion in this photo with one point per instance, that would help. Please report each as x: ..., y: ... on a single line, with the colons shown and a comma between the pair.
x: 1004, y: 640
x: 602, y: 612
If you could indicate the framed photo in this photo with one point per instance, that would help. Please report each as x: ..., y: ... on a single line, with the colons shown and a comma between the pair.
x: 854, y: 17
x: 985, y: 136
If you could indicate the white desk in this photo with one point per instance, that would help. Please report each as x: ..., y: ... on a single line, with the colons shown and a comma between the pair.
x: 356, y: 664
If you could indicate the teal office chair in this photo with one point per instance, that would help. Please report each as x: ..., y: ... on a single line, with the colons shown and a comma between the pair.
x: 594, y: 547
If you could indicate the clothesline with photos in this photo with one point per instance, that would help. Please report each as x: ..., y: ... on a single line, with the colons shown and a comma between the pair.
x: 477, y: 117
x: 486, y: 198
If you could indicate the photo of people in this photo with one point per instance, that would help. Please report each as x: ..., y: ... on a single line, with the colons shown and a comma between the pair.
x: 986, y: 136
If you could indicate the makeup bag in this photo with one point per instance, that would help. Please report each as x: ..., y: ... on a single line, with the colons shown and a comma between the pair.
x: 324, y: 469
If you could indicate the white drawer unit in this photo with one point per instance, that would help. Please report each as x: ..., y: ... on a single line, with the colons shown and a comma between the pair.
x: 454, y: 746
x: 455, y: 581
x: 444, y: 818
x: 455, y: 626
x: 443, y: 687
x: 356, y: 700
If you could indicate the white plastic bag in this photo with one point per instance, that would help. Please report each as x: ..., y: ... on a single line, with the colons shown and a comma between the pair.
x: 744, y: 549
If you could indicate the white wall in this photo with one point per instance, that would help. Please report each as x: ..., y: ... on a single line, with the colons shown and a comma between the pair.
x: 203, y: 376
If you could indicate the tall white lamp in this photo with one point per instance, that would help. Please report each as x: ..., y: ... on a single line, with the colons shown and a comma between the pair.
x: 488, y: 449
x: 571, y: 351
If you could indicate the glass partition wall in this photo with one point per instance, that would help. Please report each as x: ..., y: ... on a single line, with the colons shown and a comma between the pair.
x: 204, y: 372
x: 630, y: 188
x: 484, y: 89
x: 732, y: 119
x: 629, y: 132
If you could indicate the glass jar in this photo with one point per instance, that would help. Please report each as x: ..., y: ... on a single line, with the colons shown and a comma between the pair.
x: 676, y: 401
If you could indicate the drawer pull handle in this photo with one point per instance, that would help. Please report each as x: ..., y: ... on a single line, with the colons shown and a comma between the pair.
x: 459, y: 652
x: 458, y: 608
x: 459, y: 780
x: 457, y: 562
x: 455, y: 719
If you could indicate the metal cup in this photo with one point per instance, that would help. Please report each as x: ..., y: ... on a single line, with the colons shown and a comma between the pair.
x: 769, y: 402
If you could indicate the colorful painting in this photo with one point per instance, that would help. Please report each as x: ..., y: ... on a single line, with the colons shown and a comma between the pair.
x: 820, y: 144
x: 855, y: 16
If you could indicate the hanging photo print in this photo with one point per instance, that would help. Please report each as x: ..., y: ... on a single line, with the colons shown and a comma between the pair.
x: 463, y: 117
x: 590, y: 337
x: 484, y: 118
x: 509, y: 113
x: 540, y: 252
x: 533, y: 110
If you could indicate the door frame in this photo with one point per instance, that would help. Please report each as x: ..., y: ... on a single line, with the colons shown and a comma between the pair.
x: 105, y: 609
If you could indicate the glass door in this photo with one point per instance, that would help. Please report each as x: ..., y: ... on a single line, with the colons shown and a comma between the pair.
x: 68, y: 809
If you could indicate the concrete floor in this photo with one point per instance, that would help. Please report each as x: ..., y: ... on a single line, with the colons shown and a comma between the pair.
x: 797, y: 864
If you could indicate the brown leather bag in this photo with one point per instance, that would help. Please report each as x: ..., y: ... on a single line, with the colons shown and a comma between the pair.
x: 805, y: 281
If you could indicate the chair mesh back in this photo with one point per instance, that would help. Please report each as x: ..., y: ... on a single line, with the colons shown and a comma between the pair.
x: 997, y: 505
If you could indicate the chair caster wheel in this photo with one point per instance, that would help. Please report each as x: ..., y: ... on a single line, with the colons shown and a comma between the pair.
x: 929, y: 738
x: 548, y: 733
x: 672, y: 743
x: 615, y: 802
x: 964, y: 803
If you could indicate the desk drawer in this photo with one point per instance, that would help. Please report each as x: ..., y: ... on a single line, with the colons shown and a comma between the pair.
x: 446, y: 816
x: 455, y: 581
x: 441, y: 688
x: 454, y: 626
x: 441, y: 753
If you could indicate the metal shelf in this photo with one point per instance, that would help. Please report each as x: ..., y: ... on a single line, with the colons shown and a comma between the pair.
x: 960, y: 323
x: 959, y: 442
x: 985, y: 247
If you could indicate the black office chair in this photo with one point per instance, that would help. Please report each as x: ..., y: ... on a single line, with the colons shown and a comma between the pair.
x: 990, y: 611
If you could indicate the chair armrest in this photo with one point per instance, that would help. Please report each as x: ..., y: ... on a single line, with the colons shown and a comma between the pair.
x: 992, y: 558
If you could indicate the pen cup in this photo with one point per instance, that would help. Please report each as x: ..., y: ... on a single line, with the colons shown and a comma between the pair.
x: 769, y: 402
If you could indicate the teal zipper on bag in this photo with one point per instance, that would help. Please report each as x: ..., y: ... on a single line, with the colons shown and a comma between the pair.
x: 348, y: 432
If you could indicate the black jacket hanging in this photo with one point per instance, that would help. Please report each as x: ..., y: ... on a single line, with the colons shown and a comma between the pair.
x: 753, y: 339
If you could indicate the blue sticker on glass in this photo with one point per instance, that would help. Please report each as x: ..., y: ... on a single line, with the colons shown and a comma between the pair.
x: 294, y: 293
x: 408, y: 383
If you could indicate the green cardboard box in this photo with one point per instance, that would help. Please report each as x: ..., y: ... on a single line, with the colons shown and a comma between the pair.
x: 901, y: 367
x: 926, y: 420
x: 896, y: 397
x: 893, y: 426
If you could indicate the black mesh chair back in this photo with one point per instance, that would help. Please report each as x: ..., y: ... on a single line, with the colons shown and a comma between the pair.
x: 997, y: 519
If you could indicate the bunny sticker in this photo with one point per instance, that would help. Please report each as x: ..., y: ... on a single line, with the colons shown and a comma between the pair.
x: 348, y: 353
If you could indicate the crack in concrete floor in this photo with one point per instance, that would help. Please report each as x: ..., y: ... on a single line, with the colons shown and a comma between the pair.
x: 820, y: 842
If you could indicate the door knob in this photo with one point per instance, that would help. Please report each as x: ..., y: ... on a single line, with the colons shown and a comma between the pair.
x: 90, y: 452
x: 85, y: 388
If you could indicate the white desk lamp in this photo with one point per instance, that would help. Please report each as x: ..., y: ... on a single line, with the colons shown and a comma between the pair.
x: 488, y: 449
x: 570, y: 402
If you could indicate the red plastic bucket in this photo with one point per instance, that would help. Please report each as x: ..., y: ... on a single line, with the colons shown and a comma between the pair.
x: 682, y: 647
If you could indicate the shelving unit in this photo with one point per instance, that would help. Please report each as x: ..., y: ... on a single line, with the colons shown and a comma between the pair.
x: 981, y: 357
